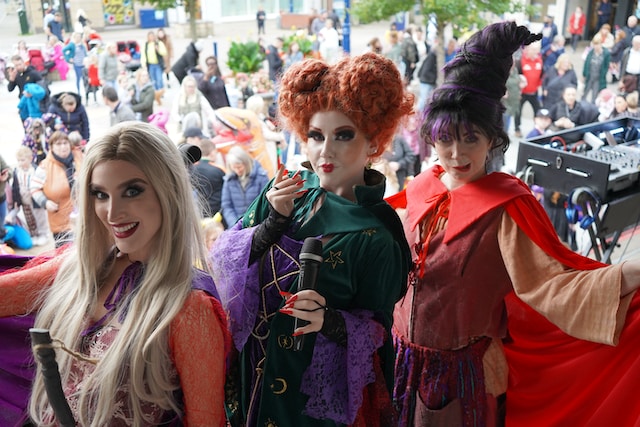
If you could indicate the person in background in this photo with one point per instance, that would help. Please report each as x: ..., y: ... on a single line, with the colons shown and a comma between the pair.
x: 294, y: 54
x: 428, y: 75
x: 261, y: 17
x: 274, y: 59
x: 35, y: 215
x: 551, y: 53
x: 29, y: 104
x: 190, y: 100
x: 409, y: 54
x: 570, y: 112
x: 632, y: 104
x: 53, y: 54
x: 142, y: 95
x: 549, y: 31
x: 400, y: 160
x: 577, y: 21
x: 52, y: 186
x: 595, y: 69
x: 208, y: 177
x: 119, y: 112
x: 139, y: 305
x: 619, y: 45
x: 274, y: 138
x: 513, y: 95
x: 108, y: 65
x: 243, y: 182
x: 374, y: 45
x: 531, y: 68
x: 188, y: 60
x: 329, y: 42
x: 152, y: 57
x: 604, y: 13
x: 22, y: 49
x: 606, y: 36
x: 453, y: 366
x: 605, y: 101
x: 20, y: 75
x: 68, y: 106
x: 75, y: 52
x: 541, y: 124
x: 556, y: 79
x: 54, y: 27
x: 212, y: 85
x: 619, y: 106
x: 339, y: 199
x: 92, y: 79
x: 450, y: 51
x: 168, y: 44
x: 35, y: 139
x: 82, y: 19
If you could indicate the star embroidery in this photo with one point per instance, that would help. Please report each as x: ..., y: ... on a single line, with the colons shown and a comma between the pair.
x: 334, y: 259
x: 369, y: 231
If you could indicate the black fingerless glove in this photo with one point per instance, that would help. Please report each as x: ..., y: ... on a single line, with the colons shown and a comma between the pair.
x: 268, y: 232
x: 334, y: 327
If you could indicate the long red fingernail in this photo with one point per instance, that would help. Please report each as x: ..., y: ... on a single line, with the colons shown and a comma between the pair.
x: 297, y: 334
x: 292, y: 299
x: 285, y: 294
x: 296, y: 174
x: 301, y: 182
x: 285, y: 311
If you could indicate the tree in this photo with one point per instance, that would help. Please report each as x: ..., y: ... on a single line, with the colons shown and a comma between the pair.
x: 462, y: 14
x: 190, y: 7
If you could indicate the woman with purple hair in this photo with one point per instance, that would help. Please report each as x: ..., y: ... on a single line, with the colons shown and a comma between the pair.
x: 485, y: 257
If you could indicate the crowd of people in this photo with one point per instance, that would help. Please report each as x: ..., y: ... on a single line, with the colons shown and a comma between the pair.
x: 207, y: 280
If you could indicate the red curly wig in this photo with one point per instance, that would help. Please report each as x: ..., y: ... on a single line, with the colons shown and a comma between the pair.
x: 367, y: 88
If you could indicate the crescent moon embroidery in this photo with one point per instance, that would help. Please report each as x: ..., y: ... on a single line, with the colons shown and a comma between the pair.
x: 284, y: 386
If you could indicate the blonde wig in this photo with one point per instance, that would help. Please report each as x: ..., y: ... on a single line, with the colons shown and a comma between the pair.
x: 139, y: 357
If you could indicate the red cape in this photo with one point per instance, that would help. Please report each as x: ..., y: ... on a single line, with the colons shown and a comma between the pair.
x: 554, y: 379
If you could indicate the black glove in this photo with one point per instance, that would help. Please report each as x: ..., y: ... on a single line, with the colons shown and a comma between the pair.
x: 334, y: 327
x: 268, y: 232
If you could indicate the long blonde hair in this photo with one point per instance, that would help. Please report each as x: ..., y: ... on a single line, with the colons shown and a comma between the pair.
x: 140, y: 352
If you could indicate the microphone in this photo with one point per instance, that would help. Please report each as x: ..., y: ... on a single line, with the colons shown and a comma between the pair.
x: 310, y: 260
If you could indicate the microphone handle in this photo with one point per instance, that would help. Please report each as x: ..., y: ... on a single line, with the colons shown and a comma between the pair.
x: 51, y: 376
x: 307, y: 280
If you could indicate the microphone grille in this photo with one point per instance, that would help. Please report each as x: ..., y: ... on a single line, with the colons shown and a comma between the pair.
x: 311, y: 246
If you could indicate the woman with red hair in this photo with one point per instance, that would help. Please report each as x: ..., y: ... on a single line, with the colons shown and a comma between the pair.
x: 347, y: 115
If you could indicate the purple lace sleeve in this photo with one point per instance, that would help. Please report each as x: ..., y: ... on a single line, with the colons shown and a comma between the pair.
x: 229, y: 259
x: 238, y: 282
x: 337, y: 375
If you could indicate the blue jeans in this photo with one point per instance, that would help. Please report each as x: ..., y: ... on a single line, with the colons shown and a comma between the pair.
x: 423, y: 96
x: 156, y: 73
x: 3, y: 215
x: 79, y: 69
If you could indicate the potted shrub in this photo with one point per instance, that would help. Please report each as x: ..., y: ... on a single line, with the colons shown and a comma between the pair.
x: 245, y: 57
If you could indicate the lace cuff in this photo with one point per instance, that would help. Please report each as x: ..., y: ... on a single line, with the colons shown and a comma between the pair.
x: 334, y: 327
x: 267, y: 233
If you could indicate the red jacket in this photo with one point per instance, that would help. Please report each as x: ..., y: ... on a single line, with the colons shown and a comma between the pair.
x: 532, y: 70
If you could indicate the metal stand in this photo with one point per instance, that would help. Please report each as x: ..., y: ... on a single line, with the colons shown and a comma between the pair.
x: 605, y: 231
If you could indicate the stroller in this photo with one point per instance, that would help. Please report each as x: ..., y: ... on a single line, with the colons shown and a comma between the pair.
x: 129, y: 54
x: 36, y: 60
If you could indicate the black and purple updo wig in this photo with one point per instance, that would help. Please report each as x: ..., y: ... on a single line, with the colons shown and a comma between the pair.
x: 474, y: 84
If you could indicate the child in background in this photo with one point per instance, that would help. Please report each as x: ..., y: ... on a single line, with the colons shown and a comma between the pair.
x: 77, y: 143
x: 92, y: 82
x: 35, y: 216
x: 212, y: 228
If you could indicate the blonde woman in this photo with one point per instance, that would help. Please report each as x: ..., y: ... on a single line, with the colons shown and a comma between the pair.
x: 556, y: 79
x: 190, y: 100
x: 126, y: 294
